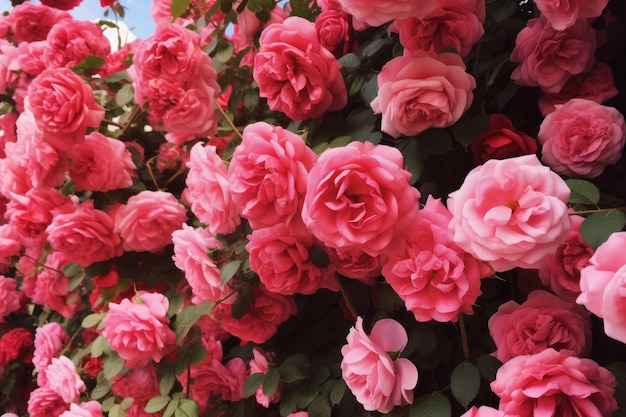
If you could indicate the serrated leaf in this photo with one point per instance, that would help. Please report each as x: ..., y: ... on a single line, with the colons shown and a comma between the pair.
x: 431, y: 405
x: 92, y: 320
x: 126, y: 403
x: 597, y: 228
x: 488, y: 366
x: 271, y: 381
x: 178, y: 7
x: 583, y: 192
x: 157, y: 404
x: 225, y: 52
x: 89, y: 62
x: 465, y: 383
x: 229, y: 269
x: 125, y: 95
x: 252, y: 384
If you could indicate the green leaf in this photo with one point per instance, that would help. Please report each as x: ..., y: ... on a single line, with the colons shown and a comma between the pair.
x: 597, y: 228
x: 125, y: 95
x: 468, y: 127
x: 488, y: 366
x: 336, y: 394
x: 178, y: 7
x: 72, y: 269
x: 176, y: 302
x: 171, y: 407
x: 252, y: 384
x: 431, y: 405
x: 465, y: 383
x: 113, y: 365
x: 294, y: 368
x: 288, y: 403
x: 350, y: 61
x: 372, y: 47
x: 583, y: 192
x: 167, y: 382
x: 369, y: 91
x: 103, y: 388
x: 98, y: 346
x: 224, y: 51
x: 157, y: 404
x: 229, y: 269
x: 188, y: 317
x: 92, y: 320
x: 187, y: 408
x: 244, y: 299
x: 271, y: 381
x: 126, y: 403
x: 116, y: 411
x: 319, y: 407
x: 89, y: 63
x: 413, y: 158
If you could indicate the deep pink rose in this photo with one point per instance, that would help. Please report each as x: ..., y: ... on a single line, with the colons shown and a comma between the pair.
x: 511, y: 212
x: 138, y: 330
x: 335, y: 32
x: 547, y: 57
x: 31, y: 22
x: 9, y: 66
x: 85, y: 409
x: 10, y: 297
x: 70, y: 42
x: 356, y: 264
x: 146, y: 222
x: 436, y: 279
x: 250, y: 26
x: 359, y: 197
x: 8, y: 130
x: 62, y: 4
x: 561, y: 271
x: 49, y: 340
x: 543, y: 321
x: 63, y: 379
x: 483, y: 411
x: 64, y: 107
x: 378, y: 382
x: 296, y: 74
x: 581, y: 137
x: 117, y: 61
x: 378, y: 12
x: 9, y: 245
x: 85, y: 234
x: 260, y: 364
x: 268, y: 174
x: 44, y: 402
x: 501, y: 140
x: 563, y: 14
x: 30, y: 57
x: 140, y: 384
x: 208, y: 191
x: 554, y: 383
x: 422, y: 91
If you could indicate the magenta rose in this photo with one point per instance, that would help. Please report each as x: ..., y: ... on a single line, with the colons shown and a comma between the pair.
x: 377, y: 381
x: 554, y: 383
x: 138, y: 329
x: 543, y: 321
x: 63, y: 379
x: 422, y: 91
x: 511, y: 212
x: 547, y: 57
x: 64, y: 107
x: 563, y: 14
x: 296, y: 74
x: 581, y: 137
x: 379, y: 12
x: 359, y: 197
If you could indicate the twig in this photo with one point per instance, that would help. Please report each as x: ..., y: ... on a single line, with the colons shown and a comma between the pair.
x: 227, y: 119
x: 464, y: 342
x: 583, y: 212
x: 346, y: 297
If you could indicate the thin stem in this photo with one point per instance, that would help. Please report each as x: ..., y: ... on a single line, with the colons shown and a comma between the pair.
x: 38, y: 263
x: 464, y: 342
x: 154, y: 181
x: 346, y: 297
x: 227, y: 119
x: 132, y: 116
x: 112, y: 123
x: 583, y: 212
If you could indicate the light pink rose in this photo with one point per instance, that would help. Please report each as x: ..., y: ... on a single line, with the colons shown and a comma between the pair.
x: 510, y: 213
x: 299, y: 414
x: 71, y: 41
x: 268, y: 174
x: 614, y: 306
x: 422, y: 91
x: 378, y: 382
x: 86, y: 234
x: 10, y: 297
x: 140, y: 384
x: 9, y: 244
x: 358, y: 196
x: 208, y: 190
x: 543, y: 321
x: 561, y: 271
x: 483, y: 411
x: 581, y: 137
x: 138, y: 330
x: 49, y: 340
x: 44, y: 402
x: 63, y: 379
x: 259, y: 364
x: 547, y: 58
x: 563, y: 14
x: 435, y: 278
x: 296, y: 74
x: 101, y: 163
x: 554, y: 383
x: 31, y: 22
x: 379, y: 12
x: 85, y: 409
x: 148, y: 219
x: 63, y: 106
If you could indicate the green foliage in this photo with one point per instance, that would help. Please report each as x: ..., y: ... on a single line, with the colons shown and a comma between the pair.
x: 431, y: 405
x: 583, y: 192
x: 597, y: 228
x: 465, y: 383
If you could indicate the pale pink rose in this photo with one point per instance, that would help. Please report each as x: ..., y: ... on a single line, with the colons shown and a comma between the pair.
x: 191, y: 248
x: 140, y: 384
x: 259, y: 364
x: 208, y: 191
x: 581, y: 137
x: 146, y: 222
x: 359, y: 196
x: 378, y: 382
x: 483, y: 411
x: 250, y: 25
x: 422, y: 91
x: 299, y: 414
x: 511, y: 212
x: 9, y: 66
x: 547, y: 58
x: 613, y: 306
x: 63, y: 379
x: 49, y: 340
x: 138, y: 329
x: 30, y: 57
x: 44, y: 402
x: 8, y: 130
x: 335, y: 32
x: 86, y: 234
x: 85, y: 409
x: 563, y: 14
x: 101, y: 163
x: 356, y: 264
x: 64, y: 107
x: 268, y: 174
x: 31, y: 22
x: 561, y: 271
x: 379, y: 12
x: 70, y: 42
x: 10, y: 297
x: 296, y: 74
x: 543, y: 321
x: 554, y: 383
x: 436, y: 279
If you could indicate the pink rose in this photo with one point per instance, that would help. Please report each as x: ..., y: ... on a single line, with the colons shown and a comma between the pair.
x: 547, y: 58
x: 140, y: 384
x: 356, y: 264
x: 359, y: 197
x: 483, y: 411
x: 378, y: 382
x: 581, y: 137
x: 44, y: 402
x: 9, y: 66
x: 543, y: 321
x: 259, y: 364
x: 436, y: 279
x: 63, y: 106
x: 86, y: 234
x: 296, y: 74
x: 335, y: 32
x: 31, y: 22
x: 138, y: 330
x: 422, y: 91
x: 49, y: 340
x: 563, y: 14
x: 172, y: 157
x: 561, y: 271
x: 117, y: 61
x: 268, y: 174
x: 613, y: 309
x: 379, y: 12
x: 250, y: 25
x: 8, y: 130
x: 208, y: 190
x: 63, y: 379
x: 85, y: 409
x: 70, y: 42
x: 30, y: 57
x: 148, y: 219
x: 511, y: 212
x: 554, y: 383
x: 10, y: 297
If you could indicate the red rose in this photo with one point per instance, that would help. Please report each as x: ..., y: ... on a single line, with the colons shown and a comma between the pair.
x: 501, y: 141
x: 17, y: 343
